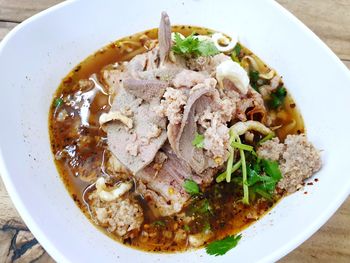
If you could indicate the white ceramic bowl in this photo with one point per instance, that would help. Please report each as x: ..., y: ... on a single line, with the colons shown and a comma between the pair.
x: 37, y: 54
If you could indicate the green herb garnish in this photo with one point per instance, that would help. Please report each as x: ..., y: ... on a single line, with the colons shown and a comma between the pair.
x: 242, y: 146
x: 222, y: 176
x: 245, y: 199
x: 187, y: 228
x: 58, y: 102
x: 263, y: 175
x: 277, y: 97
x: 266, y: 138
x: 220, y: 247
x: 254, y: 77
x: 191, y: 187
x: 259, y: 176
x: 205, y: 207
x: 272, y: 169
x: 235, y: 140
x: 191, y: 46
x: 207, y: 48
x: 230, y: 158
x: 198, y: 140
x: 237, y: 49
x: 235, y: 53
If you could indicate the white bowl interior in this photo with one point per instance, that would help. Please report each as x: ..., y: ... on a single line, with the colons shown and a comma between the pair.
x: 39, y: 53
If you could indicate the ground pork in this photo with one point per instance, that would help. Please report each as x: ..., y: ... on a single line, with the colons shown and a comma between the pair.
x: 216, y: 141
x: 271, y: 150
x: 172, y: 105
x: 207, y: 64
x: 213, y: 121
x: 297, y: 157
x: 122, y: 217
x: 198, y: 64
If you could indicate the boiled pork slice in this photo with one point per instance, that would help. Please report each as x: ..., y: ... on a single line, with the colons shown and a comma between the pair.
x: 181, y: 135
x: 135, y: 148
x: 161, y: 183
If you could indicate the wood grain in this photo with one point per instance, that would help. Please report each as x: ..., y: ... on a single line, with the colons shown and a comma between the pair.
x: 19, y: 10
x: 347, y: 63
x: 5, y: 27
x: 329, y: 19
x: 17, y: 244
x: 330, y: 244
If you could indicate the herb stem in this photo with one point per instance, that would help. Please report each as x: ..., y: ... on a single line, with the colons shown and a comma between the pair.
x: 222, y: 176
x: 242, y: 146
x: 230, y: 158
x: 245, y: 199
x: 266, y: 138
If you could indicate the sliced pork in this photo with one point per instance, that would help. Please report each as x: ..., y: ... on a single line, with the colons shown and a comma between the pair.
x: 135, y: 148
x: 161, y: 182
x: 164, y: 37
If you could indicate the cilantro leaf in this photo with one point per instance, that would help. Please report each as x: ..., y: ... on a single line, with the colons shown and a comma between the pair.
x: 191, y: 46
x: 254, y: 77
x: 237, y: 49
x: 185, y: 46
x: 266, y: 138
x: 207, y: 48
x: 220, y: 247
x: 254, y: 177
x: 272, y: 169
x: 198, y: 141
x: 236, y: 52
x: 191, y: 187
x: 263, y: 175
x: 277, y: 97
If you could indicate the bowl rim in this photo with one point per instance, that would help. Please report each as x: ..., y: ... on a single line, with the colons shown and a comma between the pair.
x: 46, y: 242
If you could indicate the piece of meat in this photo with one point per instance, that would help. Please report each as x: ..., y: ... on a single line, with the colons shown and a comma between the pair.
x: 198, y: 63
x: 144, y: 62
x: 164, y: 37
x: 181, y: 135
x: 252, y: 101
x: 147, y: 90
x: 161, y: 184
x: 188, y: 78
x: 298, y: 160
x: 271, y: 149
x: 207, y: 64
x: 172, y: 105
x: 213, y: 125
x: 135, y: 148
x: 112, y: 77
x: 123, y: 216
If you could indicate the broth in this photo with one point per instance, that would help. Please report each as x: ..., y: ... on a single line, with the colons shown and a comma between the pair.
x: 80, y: 149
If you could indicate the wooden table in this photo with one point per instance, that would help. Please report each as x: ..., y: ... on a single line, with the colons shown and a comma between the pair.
x: 329, y: 19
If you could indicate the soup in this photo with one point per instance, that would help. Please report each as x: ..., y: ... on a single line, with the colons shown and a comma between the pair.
x: 182, y: 186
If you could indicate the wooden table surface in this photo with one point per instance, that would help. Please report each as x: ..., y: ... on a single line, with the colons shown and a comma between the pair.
x: 329, y: 19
